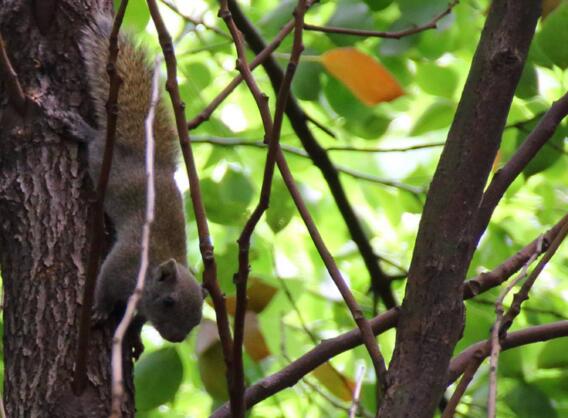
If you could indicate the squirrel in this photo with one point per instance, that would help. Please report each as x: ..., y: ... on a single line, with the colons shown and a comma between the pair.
x: 172, y: 299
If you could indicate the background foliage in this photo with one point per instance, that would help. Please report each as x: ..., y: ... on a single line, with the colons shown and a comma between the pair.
x: 294, y: 303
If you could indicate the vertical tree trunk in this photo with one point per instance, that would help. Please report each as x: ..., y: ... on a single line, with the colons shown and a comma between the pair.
x: 43, y: 219
x: 431, y: 320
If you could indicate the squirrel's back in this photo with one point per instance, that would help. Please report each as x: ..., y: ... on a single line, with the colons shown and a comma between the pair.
x: 172, y: 298
x: 134, y: 94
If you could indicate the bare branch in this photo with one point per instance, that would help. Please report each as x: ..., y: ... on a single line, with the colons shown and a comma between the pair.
x: 98, y: 224
x: 495, y: 340
x: 526, y: 336
x: 530, y: 147
x: 195, y: 22
x: 432, y: 24
x: 329, y: 348
x: 380, y: 285
x: 230, y: 142
x: 205, y: 244
x: 116, y: 362
x: 357, y: 391
x: 15, y: 92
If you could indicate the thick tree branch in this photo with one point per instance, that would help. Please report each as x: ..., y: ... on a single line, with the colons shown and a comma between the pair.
x: 431, y: 319
x: 530, y: 147
x: 379, y: 283
x: 98, y: 222
x: 526, y: 336
x: 323, y: 352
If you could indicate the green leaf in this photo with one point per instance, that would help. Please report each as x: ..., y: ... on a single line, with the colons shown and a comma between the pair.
x: 511, y: 364
x: 394, y: 47
x: 528, y: 401
x: 198, y: 74
x: 226, y: 202
x: 281, y: 209
x: 376, y: 5
x: 306, y: 84
x: 157, y: 378
x: 438, y: 116
x: 528, y: 84
x: 351, y: 14
x: 273, y: 21
x: 343, y: 102
x: 553, y: 37
x: 372, y: 127
x: 549, y: 154
x: 553, y: 354
x: 436, y: 80
x: 135, y: 18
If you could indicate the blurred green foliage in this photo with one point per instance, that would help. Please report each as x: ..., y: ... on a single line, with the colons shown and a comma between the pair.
x: 432, y: 67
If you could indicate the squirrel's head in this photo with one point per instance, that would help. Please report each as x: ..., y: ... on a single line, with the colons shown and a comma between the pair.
x: 172, y: 300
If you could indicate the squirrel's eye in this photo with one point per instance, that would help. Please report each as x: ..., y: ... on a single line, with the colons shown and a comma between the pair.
x: 168, y: 302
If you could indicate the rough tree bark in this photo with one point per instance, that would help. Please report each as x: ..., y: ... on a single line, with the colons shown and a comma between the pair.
x: 44, y: 201
x: 431, y: 320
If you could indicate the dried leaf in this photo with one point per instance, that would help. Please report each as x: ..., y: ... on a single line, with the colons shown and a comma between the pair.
x: 366, y: 78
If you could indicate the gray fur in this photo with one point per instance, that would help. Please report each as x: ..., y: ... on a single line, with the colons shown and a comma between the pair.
x: 172, y: 299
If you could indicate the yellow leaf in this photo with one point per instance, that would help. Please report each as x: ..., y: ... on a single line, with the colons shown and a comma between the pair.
x: 368, y: 80
x: 259, y: 295
x: 335, y: 382
x: 548, y: 7
x: 254, y: 341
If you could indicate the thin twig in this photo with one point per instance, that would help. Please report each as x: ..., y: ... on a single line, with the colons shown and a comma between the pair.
x: 432, y: 24
x: 229, y: 142
x: 380, y: 284
x: 366, y: 332
x: 195, y: 22
x: 526, y: 152
x: 526, y: 336
x: 98, y: 224
x: 272, y: 137
x: 385, y: 150
x: 469, y: 373
x: 330, y: 348
x: 523, y: 293
x: 495, y: 340
x: 13, y: 88
x: 116, y: 363
x: 356, y: 399
x: 205, y: 243
x: 206, y: 113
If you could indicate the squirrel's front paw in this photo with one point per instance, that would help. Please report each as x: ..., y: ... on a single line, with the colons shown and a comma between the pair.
x: 99, y: 316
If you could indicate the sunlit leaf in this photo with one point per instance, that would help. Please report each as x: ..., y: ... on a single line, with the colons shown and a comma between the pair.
x: 553, y: 36
x: 157, y: 377
x: 254, y: 342
x: 553, y: 354
x: 528, y: 401
x: 335, y: 382
x: 364, y: 76
x: 438, y: 116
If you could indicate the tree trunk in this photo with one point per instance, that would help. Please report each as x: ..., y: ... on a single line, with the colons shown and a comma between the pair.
x: 431, y: 320
x: 44, y: 205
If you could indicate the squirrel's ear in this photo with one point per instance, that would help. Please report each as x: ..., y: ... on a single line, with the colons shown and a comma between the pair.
x: 167, y: 270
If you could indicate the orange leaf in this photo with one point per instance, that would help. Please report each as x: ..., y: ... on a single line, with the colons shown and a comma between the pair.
x: 335, y: 382
x: 254, y: 341
x: 368, y: 80
x: 259, y: 295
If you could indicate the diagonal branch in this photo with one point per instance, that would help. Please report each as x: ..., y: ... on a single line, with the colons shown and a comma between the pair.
x: 10, y: 77
x: 530, y: 147
x: 205, y: 244
x: 432, y: 313
x: 379, y: 282
x: 324, y: 351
